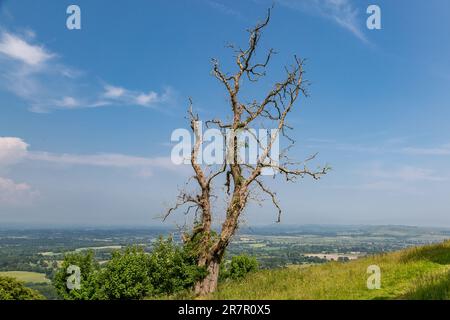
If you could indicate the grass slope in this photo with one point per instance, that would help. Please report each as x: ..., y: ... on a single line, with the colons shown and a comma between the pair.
x: 415, y: 273
x: 25, y: 276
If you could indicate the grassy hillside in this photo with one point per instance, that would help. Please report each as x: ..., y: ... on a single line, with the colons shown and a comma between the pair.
x: 25, y: 276
x: 415, y: 273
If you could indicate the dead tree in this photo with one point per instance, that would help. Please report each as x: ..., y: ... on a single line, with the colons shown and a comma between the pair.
x: 241, y: 180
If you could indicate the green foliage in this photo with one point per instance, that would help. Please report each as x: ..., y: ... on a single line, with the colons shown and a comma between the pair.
x: 173, y: 268
x: 11, y: 289
x: 89, y: 277
x: 239, y: 267
x: 126, y: 276
x: 132, y: 273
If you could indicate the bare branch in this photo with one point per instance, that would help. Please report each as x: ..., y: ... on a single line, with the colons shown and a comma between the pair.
x: 272, y: 196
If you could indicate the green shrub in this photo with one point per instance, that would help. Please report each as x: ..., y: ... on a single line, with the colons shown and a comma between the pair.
x: 89, y: 273
x: 126, y: 276
x: 239, y: 267
x: 173, y: 268
x: 132, y: 273
x: 11, y: 289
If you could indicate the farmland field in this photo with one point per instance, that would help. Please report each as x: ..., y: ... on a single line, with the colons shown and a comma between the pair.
x: 25, y: 276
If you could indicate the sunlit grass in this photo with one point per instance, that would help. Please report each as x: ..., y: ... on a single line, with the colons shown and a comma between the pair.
x: 25, y: 276
x: 416, y: 273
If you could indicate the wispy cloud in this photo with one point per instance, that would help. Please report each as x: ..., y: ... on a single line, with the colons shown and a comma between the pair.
x: 405, y: 173
x: 112, y: 92
x: 216, y: 5
x: 15, y: 194
x: 119, y: 95
x: 433, y: 151
x: 35, y: 74
x: 404, y: 179
x: 341, y: 12
x: 391, y: 145
x: 396, y: 179
x: 16, y: 48
x: 112, y: 160
x: 13, y: 150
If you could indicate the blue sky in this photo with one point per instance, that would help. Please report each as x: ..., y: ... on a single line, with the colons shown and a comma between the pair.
x: 86, y: 115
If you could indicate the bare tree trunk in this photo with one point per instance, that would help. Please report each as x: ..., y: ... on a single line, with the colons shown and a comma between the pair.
x: 209, y: 284
x: 212, y: 259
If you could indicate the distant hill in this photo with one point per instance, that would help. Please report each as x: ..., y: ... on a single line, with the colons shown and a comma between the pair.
x: 335, y: 230
x: 414, y: 273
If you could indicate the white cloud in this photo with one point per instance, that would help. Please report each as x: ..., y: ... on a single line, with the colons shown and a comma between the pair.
x: 114, y: 92
x: 147, y: 99
x: 68, y: 102
x: 403, y: 179
x: 12, y: 150
x: 406, y: 174
x: 224, y: 9
x: 12, y: 193
x: 342, y: 12
x: 390, y: 146
x: 16, y: 48
x: 143, y: 167
x: 121, y: 96
x: 55, y: 86
x: 440, y: 151
x: 398, y: 180
x: 103, y: 160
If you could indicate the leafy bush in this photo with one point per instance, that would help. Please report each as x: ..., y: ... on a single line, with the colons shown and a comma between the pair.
x: 239, y: 267
x: 173, y: 268
x: 89, y: 277
x: 11, y: 289
x: 132, y: 273
x: 126, y: 276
